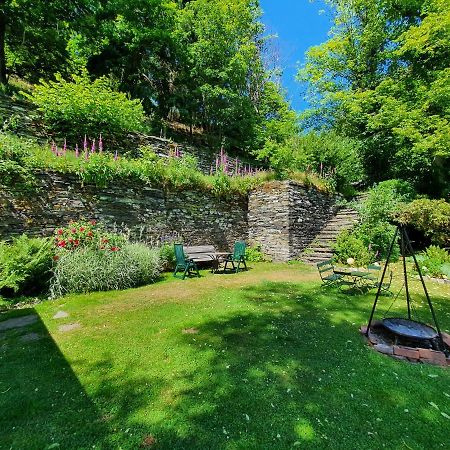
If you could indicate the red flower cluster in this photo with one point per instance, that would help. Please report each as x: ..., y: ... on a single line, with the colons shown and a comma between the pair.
x: 86, y: 234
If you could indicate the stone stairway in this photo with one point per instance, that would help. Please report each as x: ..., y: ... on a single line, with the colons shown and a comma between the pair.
x: 321, y: 248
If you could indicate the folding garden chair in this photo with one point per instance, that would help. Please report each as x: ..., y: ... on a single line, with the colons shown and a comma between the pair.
x: 183, y: 264
x: 326, y: 272
x: 238, y: 256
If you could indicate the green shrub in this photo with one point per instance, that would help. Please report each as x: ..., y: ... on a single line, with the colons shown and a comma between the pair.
x: 378, y: 238
x: 435, y: 261
x: 372, y: 236
x: 431, y: 217
x: 25, y: 265
x: 254, y: 254
x: 103, y: 170
x: 349, y: 246
x: 88, y: 269
x: 83, y: 107
x: 384, y: 199
x: 167, y: 256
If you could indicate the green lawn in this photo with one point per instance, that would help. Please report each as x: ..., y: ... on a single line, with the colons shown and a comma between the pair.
x: 258, y: 360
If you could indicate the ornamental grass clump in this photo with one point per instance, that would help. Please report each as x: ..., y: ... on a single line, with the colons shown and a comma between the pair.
x: 88, y: 258
x: 89, y: 269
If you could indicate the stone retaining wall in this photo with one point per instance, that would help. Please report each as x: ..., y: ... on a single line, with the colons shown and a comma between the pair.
x: 284, y: 217
x: 146, y: 214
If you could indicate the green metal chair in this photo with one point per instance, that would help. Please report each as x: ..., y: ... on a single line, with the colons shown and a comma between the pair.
x: 385, y: 286
x: 326, y: 272
x: 183, y: 264
x: 373, y: 274
x: 238, y: 256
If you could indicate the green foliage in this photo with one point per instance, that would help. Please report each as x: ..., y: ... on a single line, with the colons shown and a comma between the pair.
x: 435, y: 261
x: 81, y: 107
x: 102, y: 170
x: 432, y: 217
x: 372, y: 237
x: 349, y: 245
x: 25, y: 265
x: 88, y: 269
x: 86, y: 234
x: 384, y: 199
x: 167, y: 256
x: 383, y: 78
x: 255, y: 254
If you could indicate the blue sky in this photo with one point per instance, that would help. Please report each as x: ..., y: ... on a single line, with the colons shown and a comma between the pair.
x: 299, y: 25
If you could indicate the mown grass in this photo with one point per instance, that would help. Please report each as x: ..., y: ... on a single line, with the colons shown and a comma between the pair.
x: 263, y: 359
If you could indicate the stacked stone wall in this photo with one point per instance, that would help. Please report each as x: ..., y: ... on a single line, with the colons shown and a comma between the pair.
x: 144, y: 213
x: 282, y: 217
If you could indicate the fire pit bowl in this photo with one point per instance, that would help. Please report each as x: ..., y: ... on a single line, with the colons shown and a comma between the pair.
x: 410, y: 329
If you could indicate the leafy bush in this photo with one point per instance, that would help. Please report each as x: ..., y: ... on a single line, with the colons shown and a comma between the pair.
x: 254, y: 254
x: 431, y: 217
x: 371, y: 239
x: 167, y: 256
x: 350, y: 246
x: 89, y: 269
x: 435, y: 261
x: 25, y: 265
x: 83, y: 107
x: 384, y: 199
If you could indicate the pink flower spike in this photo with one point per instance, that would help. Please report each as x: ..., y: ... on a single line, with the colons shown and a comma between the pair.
x: 65, y: 146
x: 100, y: 144
x: 85, y: 143
x: 77, y: 152
x: 93, y: 146
x: 116, y: 156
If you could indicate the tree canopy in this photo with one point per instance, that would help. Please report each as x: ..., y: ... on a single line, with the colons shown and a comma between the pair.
x: 383, y: 78
x: 200, y: 62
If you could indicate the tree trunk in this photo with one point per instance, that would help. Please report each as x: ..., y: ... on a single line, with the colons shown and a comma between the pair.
x: 3, y: 78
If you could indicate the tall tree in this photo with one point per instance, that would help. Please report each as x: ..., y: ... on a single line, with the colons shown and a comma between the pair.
x: 381, y: 78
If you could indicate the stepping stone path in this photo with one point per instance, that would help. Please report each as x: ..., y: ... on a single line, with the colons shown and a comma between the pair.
x: 18, y: 322
x: 60, y: 315
x: 30, y: 337
x: 69, y: 327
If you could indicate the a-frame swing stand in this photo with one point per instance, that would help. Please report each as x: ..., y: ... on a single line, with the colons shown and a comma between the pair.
x: 408, y: 328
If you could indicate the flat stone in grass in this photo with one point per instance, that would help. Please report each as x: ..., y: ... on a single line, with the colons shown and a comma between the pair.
x: 18, y: 322
x: 30, y: 337
x: 61, y: 315
x: 69, y: 327
x: 190, y: 331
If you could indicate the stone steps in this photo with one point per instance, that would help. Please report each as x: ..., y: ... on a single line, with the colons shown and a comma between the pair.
x: 321, y: 248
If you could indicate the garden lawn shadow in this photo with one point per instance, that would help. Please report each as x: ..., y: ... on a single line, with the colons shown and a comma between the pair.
x: 36, y: 382
x: 293, y: 371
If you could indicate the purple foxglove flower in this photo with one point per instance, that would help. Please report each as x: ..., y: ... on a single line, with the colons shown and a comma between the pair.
x: 116, y: 156
x: 77, y: 152
x: 85, y: 143
x: 93, y: 146
x: 100, y: 144
x: 65, y: 147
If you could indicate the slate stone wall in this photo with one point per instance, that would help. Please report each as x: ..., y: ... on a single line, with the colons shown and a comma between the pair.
x: 146, y: 214
x: 283, y: 217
